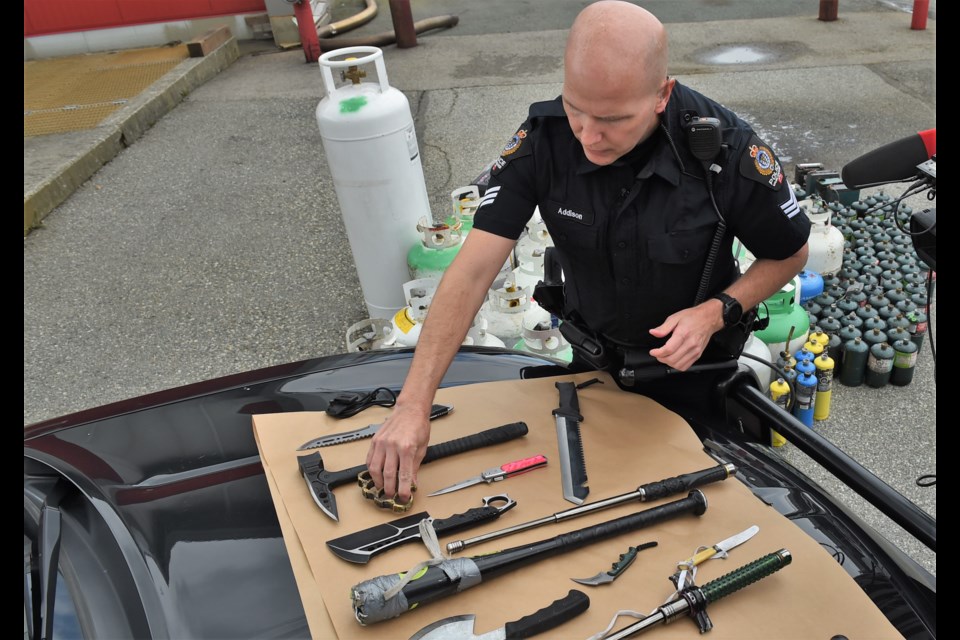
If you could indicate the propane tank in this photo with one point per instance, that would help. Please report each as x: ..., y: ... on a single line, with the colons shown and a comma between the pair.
x: 818, y: 335
x: 874, y: 336
x: 438, y: 246
x: 918, y: 327
x: 371, y: 149
x: 478, y: 335
x: 535, y: 239
x: 545, y: 339
x: 904, y: 362
x: 368, y: 334
x: 407, y: 322
x: 803, y: 406
x: 825, y: 242
x: 505, y: 308
x: 465, y: 201
x: 855, y: 353
x: 821, y: 405
x: 879, y: 365
x: 815, y: 347
x: 897, y: 333
x: 786, y: 315
x: 756, y: 348
x: 876, y: 322
x: 779, y: 392
x: 835, y: 347
x: 830, y: 326
x: 811, y: 285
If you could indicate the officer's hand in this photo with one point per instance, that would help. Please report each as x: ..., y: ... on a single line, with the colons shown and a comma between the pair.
x: 690, y: 331
x: 397, y: 450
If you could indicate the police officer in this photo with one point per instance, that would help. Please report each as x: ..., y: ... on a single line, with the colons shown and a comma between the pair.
x: 632, y: 204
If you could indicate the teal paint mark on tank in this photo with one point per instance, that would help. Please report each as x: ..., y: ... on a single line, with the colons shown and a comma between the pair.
x: 352, y: 105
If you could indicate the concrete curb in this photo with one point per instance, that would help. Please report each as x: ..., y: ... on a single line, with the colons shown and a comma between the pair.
x: 121, y: 129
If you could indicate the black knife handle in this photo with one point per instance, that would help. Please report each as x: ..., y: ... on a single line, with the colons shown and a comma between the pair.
x: 683, y: 483
x: 551, y: 616
x: 496, y: 435
x: 465, y: 520
x: 569, y: 403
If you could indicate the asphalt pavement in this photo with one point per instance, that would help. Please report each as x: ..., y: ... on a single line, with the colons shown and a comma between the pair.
x: 213, y: 243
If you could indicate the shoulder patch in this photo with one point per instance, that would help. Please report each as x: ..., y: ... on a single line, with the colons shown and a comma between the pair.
x: 517, y: 146
x: 758, y: 163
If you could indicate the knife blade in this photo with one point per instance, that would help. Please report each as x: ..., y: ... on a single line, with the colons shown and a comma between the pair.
x: 573, y: 469
x: 721, y: 548
x: 626, y: 559
x: 362, y: 545
x: 437, y: 411
x: 495, y: 474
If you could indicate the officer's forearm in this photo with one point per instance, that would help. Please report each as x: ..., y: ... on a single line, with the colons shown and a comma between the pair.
x: 766, y: 277
x: 455, y: 304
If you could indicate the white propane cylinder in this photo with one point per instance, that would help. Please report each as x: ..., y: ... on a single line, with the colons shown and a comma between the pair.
x: 826, y: 241
x: 756, y: 347
x: 371, y: 148
x: 408, y: 322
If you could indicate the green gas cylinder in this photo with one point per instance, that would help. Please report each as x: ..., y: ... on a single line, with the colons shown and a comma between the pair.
x: 879, y: 365
x: 904, y: 362
x: 855, y: 353
x: 785, y: 315
x: 438, y: 246
x: 465, y: 202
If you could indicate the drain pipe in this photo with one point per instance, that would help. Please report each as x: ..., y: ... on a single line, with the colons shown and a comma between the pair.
x: 388, y: 37
x: 354, y: 21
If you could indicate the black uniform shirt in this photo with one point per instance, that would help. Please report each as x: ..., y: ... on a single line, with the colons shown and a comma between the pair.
x: 633, y: 236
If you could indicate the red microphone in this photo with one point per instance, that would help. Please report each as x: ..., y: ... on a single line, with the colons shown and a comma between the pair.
x: 893, y: 162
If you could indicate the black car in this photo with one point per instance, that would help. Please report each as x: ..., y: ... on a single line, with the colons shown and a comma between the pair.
x: 152, y: 517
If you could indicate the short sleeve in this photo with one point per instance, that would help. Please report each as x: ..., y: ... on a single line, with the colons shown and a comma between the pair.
x: 510, y: 198
x: 762, y: 209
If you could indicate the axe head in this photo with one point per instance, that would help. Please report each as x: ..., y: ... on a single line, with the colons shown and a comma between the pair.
x: 311, y: 468
x: 452, y: 628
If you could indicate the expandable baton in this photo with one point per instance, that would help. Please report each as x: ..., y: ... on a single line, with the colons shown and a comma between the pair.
x: 643, y: 493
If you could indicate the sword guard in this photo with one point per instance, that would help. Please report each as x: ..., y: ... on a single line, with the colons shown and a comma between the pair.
x: 698, y: 608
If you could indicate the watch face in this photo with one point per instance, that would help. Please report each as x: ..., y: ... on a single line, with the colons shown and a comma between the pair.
x: 732, y: 313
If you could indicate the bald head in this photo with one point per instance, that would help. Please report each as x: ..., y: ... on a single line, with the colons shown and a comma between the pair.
x: 617, y: 42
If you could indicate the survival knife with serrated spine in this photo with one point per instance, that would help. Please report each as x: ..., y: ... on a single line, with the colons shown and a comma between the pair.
x: 437, y: 411
x: 362, y: 545
x: 573, y: 467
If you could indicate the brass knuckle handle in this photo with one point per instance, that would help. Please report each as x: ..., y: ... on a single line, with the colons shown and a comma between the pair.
x: 370, y: 492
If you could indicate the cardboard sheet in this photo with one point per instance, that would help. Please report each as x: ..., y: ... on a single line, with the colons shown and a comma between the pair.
x: 628, y: 440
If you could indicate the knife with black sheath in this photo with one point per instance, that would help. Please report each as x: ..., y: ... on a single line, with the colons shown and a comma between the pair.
x: 362, y: 545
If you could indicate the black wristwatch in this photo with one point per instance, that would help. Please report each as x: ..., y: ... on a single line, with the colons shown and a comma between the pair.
x: 732, y: 311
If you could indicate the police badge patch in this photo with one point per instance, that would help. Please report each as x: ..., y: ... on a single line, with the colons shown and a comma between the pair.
x: 514, y: 148
x: 514, y: 143
x: 759, y: 164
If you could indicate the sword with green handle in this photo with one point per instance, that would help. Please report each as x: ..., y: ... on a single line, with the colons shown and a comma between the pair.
x: 694, y: 600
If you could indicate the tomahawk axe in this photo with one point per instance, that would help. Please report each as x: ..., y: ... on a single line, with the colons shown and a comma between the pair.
x: 321, y: 482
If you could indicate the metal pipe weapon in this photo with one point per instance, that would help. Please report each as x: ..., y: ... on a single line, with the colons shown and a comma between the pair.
x: 644, y: 493
x: 370, y: 603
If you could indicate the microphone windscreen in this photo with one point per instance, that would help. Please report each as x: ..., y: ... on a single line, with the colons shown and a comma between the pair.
x: 893, y: 162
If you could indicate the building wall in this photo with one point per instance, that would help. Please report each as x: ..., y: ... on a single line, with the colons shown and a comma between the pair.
x: 47, y: 17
